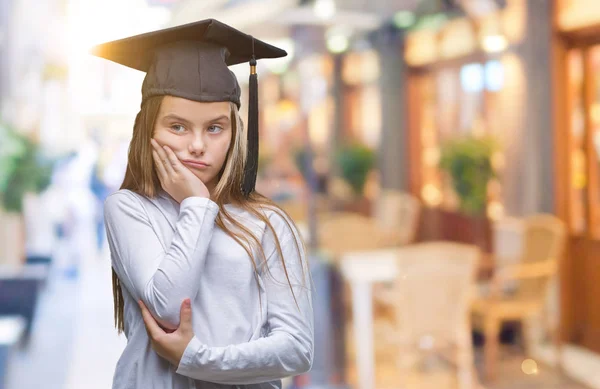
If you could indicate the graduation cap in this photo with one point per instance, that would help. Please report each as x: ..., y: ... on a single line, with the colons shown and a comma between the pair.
x: 191, y: 61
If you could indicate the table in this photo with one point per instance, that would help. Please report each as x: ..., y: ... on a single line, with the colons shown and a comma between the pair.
x: 361, y: 270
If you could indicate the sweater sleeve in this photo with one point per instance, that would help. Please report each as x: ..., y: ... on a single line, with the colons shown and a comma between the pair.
x: 161, y: 276
x: 287, y: 349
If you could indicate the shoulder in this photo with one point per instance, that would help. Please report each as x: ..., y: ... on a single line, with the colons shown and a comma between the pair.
x: 122, y: 196
x: 123, y: 201
x: 281, y: 225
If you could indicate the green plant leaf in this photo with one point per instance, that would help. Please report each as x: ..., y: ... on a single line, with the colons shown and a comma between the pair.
x: 23, y: 168
x: 467, y: 161
x: 355, y: 162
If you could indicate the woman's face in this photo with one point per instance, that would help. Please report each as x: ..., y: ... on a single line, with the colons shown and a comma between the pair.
x: 198, y: 133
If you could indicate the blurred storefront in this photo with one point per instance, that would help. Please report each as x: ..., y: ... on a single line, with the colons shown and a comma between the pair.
x: 327, y: 98
x: 295, y: 106
x: 472, y: 75
x: 499, y: 74
x: 362, y: 109
x: 576, y: 68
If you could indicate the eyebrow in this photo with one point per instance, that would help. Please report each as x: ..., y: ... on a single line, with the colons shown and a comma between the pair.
x: 177, y: 119
x: 174, y: 117
x: 220, y: 118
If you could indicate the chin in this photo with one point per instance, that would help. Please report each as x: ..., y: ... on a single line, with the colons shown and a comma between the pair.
x: 204, y: 177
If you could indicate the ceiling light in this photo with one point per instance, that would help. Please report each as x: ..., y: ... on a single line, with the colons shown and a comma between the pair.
x: 324, y: 9
x: 337, y: 43
x: 494, y: 43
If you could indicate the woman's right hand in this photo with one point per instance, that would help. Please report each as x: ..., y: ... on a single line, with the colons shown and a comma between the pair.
x: 175, y: 178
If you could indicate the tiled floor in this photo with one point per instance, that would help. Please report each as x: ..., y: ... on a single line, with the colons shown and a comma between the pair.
x: 44, y: 362
x: 511, y: 375
x: 95, y: 332
x: 438, y: 374
x: 74, y: 344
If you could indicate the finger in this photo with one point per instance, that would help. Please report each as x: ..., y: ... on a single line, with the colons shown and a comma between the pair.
x: 155, y: 145
x: 168, y: 165
x: 161, y: 172
x: 152, y: 327
x: 185, y: 317
x: 173, y: 160
x: 164, y: 159
x: 160, y: 169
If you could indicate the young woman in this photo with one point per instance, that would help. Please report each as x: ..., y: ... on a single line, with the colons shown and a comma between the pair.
x: 210, y: 280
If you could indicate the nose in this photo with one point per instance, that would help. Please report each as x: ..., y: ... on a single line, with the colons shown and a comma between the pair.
x: 197, y: 145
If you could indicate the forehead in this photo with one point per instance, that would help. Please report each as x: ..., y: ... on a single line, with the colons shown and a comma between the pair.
x: 193, y: 110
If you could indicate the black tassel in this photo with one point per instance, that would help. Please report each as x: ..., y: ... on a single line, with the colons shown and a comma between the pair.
x: 251, y: 169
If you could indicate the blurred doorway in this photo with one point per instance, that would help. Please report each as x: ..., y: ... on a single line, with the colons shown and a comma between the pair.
x: 577, y: 132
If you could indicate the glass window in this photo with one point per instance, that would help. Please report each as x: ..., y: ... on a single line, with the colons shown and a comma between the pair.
x: 494, y: 76
x: 453, y: 101
x: 593, y: 141
x: 578, y: 173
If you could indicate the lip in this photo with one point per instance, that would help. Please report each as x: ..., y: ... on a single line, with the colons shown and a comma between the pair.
x: 196, y: 164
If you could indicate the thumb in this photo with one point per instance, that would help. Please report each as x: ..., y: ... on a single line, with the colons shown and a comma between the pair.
x: 185, y: 316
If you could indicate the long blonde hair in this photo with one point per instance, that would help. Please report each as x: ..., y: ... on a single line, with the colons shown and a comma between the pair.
x: 141, y: 178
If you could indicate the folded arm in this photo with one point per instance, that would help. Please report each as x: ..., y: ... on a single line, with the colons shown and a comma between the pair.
x: 287, y: 350
x: 162, y: 277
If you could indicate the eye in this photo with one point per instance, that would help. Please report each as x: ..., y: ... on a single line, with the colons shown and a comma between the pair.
x: 178, y: 128
x: 215, y: 129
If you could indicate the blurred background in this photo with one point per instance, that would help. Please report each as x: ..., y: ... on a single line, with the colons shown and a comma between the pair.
x: 442, y: 158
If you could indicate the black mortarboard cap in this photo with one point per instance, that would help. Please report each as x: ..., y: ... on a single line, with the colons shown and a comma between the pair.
x: 191, y: 61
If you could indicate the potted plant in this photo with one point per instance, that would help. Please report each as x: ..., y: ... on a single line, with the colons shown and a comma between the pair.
x: 23, y: 169
x: 355, y: 163
x: 468, y: 163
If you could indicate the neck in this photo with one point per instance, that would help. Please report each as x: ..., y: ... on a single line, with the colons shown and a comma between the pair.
x: 211, y: 189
